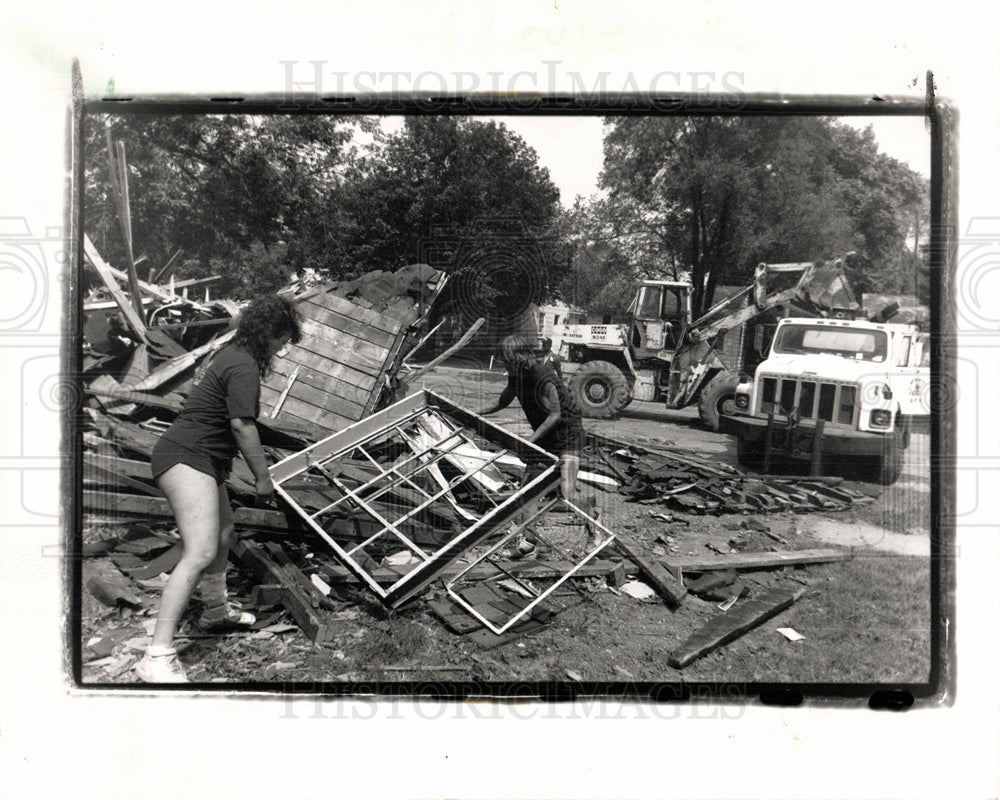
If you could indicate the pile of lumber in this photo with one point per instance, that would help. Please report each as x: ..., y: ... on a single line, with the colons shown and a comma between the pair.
x: 355, y: 337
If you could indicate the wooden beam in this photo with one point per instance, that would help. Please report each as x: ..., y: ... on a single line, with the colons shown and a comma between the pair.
x: 739, y: 619
x: 293, y: 598
x: 158, y: 508
x: 106, y: 273
x: 666, y: 585
x: 141, y: 398
x: 284, y: 393
x: 176, y: 366
x: 412, y: 379
x: 162, y: 271
x: 766, y: 560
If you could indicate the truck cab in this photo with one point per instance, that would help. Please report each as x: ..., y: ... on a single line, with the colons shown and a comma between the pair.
x: 861, y: 387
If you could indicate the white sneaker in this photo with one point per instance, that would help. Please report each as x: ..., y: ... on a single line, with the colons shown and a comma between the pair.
x: 162, y: 666
x: 227, y: 616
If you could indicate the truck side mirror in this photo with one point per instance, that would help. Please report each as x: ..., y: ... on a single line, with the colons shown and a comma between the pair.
x: 758, y: 339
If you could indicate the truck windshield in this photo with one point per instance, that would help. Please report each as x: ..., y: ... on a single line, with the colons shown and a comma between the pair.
x: 862, y: 345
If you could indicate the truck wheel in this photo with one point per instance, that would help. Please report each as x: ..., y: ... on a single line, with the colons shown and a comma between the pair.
x: 749, y: 454
x: 600, y: 389
x: 890, y: 463
x: 717, y: 399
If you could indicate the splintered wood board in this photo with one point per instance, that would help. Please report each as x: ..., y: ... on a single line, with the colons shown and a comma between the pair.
x: 666, y: 584
x: 342, y: 356
x: 756, y: 560
x: 742, y: 617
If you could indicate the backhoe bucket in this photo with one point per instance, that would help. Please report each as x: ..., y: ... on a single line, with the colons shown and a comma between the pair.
x: 827, y: 287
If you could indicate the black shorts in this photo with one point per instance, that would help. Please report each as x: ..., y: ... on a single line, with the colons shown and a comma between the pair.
x: 168, y: 453
x: 563, y: 440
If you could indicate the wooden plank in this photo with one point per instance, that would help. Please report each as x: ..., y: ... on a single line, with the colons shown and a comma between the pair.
x: 332, y: 369
x: 317, y: 397
x: 253, y: 557
x: 347, y: 325
x: 390, y: 365
x: 342, y: 353
x: 742, y: 617
x: 159, y: 508
x: 316, y: 598
x: 283, y: 369
x: 339, y: 305
x: 102, y: 473
x: 175, y: 366
x: 340, y: 339
x: 328, y: 417
x: 125, y: 466
x: 756, y: 560
x: 276, y: 406
x: 140, y: 398
x: 104, y: 271
x: 666, y: 585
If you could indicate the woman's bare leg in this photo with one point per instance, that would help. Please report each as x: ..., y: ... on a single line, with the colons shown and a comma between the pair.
x: 194, y: 498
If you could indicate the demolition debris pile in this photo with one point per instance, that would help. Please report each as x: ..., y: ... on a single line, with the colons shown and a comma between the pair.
x: 404, y: 498
x: 679, y: 480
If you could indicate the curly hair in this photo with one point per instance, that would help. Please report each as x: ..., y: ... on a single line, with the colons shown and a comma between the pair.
x: 265, y: 319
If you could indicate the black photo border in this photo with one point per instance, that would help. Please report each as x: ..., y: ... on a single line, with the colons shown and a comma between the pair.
x: 942, y: 119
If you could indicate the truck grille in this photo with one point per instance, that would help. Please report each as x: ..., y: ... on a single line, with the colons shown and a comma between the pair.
x: 826, y: 400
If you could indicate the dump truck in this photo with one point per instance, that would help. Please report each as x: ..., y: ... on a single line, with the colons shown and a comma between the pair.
x: 848, y: 389
x: 662, y: 354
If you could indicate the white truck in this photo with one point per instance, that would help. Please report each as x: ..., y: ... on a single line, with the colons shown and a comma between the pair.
x: 835, y: 388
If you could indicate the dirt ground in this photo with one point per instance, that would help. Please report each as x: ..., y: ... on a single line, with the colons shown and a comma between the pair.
x: 866, y: 620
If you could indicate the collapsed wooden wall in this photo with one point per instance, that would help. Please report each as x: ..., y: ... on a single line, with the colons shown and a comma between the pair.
x: 338, y: 365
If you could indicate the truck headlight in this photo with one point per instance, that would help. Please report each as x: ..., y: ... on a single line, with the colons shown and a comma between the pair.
x: 881, y: 418
x: 742, y: 401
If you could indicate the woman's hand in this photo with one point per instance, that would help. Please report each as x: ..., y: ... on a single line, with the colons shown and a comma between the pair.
x: 264, y: 488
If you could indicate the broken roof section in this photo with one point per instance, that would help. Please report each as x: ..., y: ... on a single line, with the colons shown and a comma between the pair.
x: 354, y: 338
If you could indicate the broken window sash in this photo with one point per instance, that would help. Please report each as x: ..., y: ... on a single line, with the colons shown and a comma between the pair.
x: 538, y: 596
x: 369, y: 499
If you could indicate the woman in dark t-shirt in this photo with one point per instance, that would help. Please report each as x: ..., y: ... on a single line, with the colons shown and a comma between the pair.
x: 191, y: 463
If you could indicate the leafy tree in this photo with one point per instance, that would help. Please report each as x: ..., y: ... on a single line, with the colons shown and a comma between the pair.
x: 459, y: 193
x: 238, y: 194
x: 716, y: 195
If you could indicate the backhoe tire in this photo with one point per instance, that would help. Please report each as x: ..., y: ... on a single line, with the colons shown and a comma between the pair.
x: 716, y: 399
x: 600, y: 389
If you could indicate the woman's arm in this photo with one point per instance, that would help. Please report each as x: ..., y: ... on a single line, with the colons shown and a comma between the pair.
x: 550, y: 402
x: 248, y: 440
x: 502, y: 402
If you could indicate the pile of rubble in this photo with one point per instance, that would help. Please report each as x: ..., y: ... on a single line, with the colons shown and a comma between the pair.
x: 394, y: 495
x: 676, y: 478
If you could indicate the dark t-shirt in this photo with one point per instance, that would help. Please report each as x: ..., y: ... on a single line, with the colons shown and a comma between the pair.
x: 528, y: 384
x: 228, y: 389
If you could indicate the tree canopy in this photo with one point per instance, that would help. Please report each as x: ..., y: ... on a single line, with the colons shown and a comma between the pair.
x: 256, y: 198
x: 238, y: 194
x: 717, y: 195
